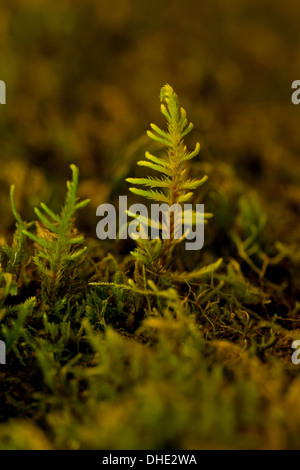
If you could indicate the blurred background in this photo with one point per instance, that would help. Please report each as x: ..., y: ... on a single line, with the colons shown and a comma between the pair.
x: 83, y: 82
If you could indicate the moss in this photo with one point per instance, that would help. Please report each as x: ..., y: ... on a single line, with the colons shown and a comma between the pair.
x: 108, y: 354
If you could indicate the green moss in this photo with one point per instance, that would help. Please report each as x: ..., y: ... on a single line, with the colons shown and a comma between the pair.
x: 112, y: 351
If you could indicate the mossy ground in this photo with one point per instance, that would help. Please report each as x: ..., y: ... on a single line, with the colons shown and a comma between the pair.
x: 196, y: 365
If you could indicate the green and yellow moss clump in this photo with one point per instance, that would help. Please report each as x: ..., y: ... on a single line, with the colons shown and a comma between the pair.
x: 155, y: 350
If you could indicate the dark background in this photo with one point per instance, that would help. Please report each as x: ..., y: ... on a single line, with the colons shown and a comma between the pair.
x: 83, y: 81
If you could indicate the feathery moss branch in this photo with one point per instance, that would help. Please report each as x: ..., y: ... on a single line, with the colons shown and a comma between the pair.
x: 59, y: 247
x: 175, y: 186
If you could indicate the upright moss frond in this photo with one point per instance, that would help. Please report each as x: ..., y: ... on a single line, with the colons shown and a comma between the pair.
x: 174, y: 186
x: 178, y: 186
x: 12, y: 257
x: 59, y: 246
